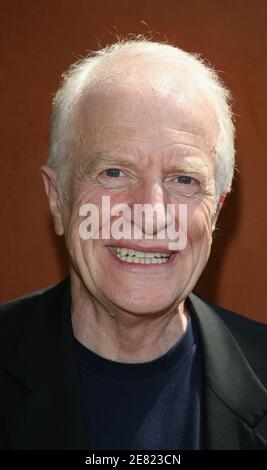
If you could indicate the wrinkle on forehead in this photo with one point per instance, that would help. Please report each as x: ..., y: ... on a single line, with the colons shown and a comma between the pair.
x: 130, y: 142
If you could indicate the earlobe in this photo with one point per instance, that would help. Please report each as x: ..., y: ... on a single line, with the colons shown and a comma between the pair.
x: 52, y: 191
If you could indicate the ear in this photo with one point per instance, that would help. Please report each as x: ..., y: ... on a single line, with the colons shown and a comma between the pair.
x: 219, y: 206
x: 53, y: 194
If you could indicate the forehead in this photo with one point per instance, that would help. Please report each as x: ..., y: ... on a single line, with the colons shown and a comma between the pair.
x: 142, y: 114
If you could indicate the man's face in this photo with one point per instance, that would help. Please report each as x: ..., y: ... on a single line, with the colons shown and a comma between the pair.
x: 164, y: 151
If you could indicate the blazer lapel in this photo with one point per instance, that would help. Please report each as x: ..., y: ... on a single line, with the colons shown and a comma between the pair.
x: 235, y: 399
x: 50, y: 415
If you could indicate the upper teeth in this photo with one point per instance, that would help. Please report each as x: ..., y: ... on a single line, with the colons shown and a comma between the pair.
x: 130, y: 255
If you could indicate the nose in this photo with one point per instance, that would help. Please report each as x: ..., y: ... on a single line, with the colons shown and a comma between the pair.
x: 149, y: 211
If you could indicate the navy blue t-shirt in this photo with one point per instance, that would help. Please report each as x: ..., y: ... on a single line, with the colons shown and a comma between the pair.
x: 155, y: 405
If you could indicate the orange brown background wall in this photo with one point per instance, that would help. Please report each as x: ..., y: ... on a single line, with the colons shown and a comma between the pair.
x: 41, y: 38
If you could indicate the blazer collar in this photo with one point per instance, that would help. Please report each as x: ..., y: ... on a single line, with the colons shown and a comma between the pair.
x: 51, y: 415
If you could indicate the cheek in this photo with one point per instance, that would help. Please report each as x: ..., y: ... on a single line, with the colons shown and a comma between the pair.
x: 73, y: 240
x: 199, y: 223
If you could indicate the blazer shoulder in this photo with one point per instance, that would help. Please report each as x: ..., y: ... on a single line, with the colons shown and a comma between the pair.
x: 250, y: 335
x: 237, y: 322
x: 22, y: 304
x: 233, y: 320
x: 14, y: 317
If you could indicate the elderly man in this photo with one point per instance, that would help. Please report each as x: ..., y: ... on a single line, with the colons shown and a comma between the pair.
x: 122, y: 354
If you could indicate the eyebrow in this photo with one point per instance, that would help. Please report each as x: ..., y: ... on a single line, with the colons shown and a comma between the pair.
x: 89, y: 166
x: 193, y: 164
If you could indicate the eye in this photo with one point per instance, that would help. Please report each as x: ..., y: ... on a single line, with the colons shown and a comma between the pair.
x: 113, y: 172
x: 184, y: 179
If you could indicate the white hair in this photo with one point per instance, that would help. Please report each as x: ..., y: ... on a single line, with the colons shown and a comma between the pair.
x: 193, y: 73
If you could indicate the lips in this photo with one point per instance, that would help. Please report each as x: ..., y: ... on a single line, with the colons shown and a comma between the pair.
x: 130, y: 255
x: 142, y: 248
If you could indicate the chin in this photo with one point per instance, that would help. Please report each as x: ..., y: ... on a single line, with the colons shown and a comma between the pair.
x: 143, y: 304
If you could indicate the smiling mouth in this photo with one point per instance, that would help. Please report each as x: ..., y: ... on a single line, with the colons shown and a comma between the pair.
x: 130, y: 255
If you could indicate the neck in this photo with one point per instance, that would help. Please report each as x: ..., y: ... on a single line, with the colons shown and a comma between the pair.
x: 120, y: 335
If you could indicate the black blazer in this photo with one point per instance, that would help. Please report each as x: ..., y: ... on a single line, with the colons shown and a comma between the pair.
x: 40, y: 395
